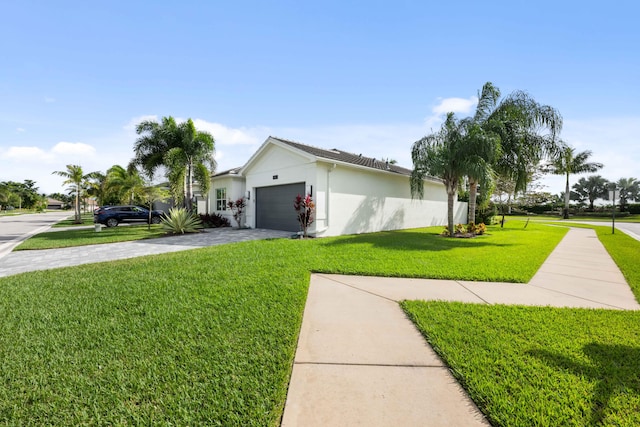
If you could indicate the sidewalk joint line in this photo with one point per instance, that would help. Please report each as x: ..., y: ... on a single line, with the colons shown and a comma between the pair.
x: 382, y: 365
x: 577, y: 277
x: 362, y: 290
x: 582, y: 298
x: 478, y: 296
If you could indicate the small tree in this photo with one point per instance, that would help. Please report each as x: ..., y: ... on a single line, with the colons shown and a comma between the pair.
x: 304, y: 207
x: 152, y: 194
x: 237, y: 208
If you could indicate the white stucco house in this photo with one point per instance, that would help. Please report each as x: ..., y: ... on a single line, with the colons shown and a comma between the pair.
x: 353, y: 193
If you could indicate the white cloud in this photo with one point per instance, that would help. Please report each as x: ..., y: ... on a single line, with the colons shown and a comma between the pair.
x: 73, y: 148
x: 20, y: 130
x: 225, y: 135
x: 133, y: 123
x: 455, y: 105
x: 49, y: 100
x: 25, y: 154
x: 449, y: 105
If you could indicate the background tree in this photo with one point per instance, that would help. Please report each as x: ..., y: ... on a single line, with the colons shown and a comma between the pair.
x: 125, y: 184
x: 23, y: 194
x: 444, y: 155
x: 591, y: 188
x: 568, y: 162
x: 629, y: 190
x: 515, y: 133
x: 186, y: 153
x: 97, y: 186
x: 77, y: 179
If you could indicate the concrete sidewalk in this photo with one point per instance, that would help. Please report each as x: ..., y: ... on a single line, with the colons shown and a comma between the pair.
x: 360, y: 361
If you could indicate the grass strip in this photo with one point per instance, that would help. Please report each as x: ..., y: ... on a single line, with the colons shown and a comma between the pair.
x: 83, y: 237
x: 526, y: 366
x: 86, y: 218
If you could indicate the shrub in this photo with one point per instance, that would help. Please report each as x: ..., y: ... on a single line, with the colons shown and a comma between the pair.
x: 180, y: 221
x: 237, y: 208
x: 214, y: 220
x: 304, y: 207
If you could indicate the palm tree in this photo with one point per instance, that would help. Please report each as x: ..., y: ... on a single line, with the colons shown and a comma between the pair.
x: 629, y: 189
x: 568, y: 162
x: 591, y: 188
x: 510, y: 133
x: 445, y: 155
x: 126, y: 183
x: 75, y: 177
x: 186, y: 153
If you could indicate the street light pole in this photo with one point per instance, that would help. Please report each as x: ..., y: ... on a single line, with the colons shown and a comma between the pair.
x: 613, y: 211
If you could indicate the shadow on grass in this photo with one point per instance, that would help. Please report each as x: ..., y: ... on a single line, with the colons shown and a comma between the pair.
x: 614, y: 367
x: 414, y: 240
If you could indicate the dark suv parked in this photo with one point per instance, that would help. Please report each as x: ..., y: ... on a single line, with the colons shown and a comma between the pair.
x: 111, y: 216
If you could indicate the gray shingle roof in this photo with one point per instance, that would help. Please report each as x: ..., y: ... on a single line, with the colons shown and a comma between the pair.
x: 233, y: 171
x: 346, y: 157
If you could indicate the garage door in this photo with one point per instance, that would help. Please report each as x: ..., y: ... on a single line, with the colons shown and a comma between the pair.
x: 274, y: 206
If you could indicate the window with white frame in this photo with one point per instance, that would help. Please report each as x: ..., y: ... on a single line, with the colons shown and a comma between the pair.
x: 221, y: 199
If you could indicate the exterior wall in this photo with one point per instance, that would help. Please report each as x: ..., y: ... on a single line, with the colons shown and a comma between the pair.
x: 353, y: 200
x: 349, y: 200
x: 235, y: 187
x: 277, y: 166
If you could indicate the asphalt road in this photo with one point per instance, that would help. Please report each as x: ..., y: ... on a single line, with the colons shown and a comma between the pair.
x: 16, y: 228
x: 630, y: 228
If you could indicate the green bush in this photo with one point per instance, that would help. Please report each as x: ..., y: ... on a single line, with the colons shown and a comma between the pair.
x: 214, y: 220
x: 181, y: 221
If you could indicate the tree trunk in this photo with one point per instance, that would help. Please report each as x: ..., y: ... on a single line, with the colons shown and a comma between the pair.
x: 77, y: 213
x: 189, y: 190
x: 565, y: 211
x: 450, y: 195
x: 473, y: 195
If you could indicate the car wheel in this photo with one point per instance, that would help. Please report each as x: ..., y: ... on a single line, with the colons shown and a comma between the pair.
x: 155, y: 220
x: 112, y: 222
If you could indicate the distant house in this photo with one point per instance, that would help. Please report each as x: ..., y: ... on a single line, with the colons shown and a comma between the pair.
x: 54, y: 204
x: 353, y: 193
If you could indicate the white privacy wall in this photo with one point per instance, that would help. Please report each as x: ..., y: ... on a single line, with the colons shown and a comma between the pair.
x: 353, y: 200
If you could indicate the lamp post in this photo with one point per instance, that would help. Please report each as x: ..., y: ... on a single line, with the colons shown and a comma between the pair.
x: 612, y: 196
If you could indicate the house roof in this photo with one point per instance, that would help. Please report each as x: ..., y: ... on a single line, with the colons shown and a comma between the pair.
x: 346, y: 157
x: 234, y: 171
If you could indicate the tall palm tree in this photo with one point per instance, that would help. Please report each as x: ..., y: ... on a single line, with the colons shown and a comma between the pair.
x: 186, y: 153
x: 517, y: 133
x: 126, y: 183
x: 446, y: 155
x: 591, y: 188
x: 569, y: 162
x: 629, y: 189
x: 77, y: 179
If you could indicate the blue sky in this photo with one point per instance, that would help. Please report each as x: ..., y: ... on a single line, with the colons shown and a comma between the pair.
x: 369, y: 77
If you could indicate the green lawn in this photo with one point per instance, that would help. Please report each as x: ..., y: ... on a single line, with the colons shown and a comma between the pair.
x: 87, y: 219
x: 535, y: 366
x: 527, y: 366
x: 82, y: 237
x: 204, y: 337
